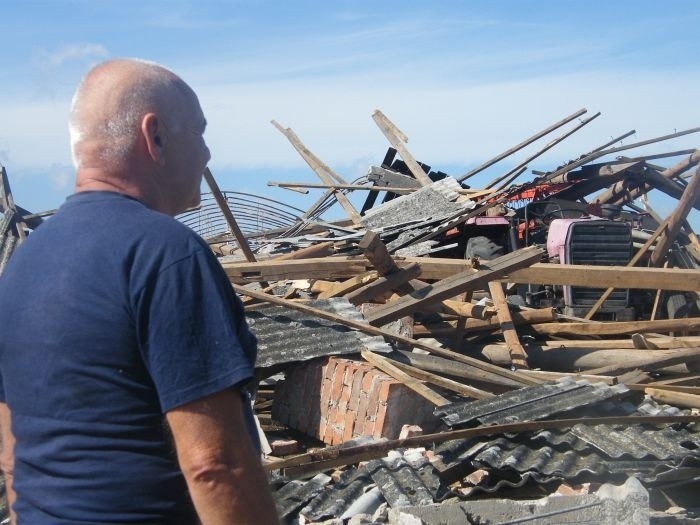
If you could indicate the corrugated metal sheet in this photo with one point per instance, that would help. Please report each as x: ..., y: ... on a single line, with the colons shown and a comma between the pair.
x: 401, y: 484
x: 611, y: 505
x: 291, y: 496
x: 337, y: 498
x: 529, y: 403
x: 286, y: 335
x: 430, y: 202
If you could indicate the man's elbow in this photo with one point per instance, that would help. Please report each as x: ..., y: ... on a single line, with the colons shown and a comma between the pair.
x: 211, y: 472
x: 7, y: 463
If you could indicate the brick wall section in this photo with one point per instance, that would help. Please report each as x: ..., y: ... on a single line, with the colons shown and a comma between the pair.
x: 337, y: 399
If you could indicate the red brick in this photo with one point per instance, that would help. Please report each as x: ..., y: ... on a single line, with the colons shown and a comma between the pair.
x: 337, y: 385
x: 337, y: 436
x: 282, y: 447
x: 348, y: 429
x: 327, y: 434
x: 367, y: 380
x: 356, y: 388
x: 372, y: 405
x: 350, y: 372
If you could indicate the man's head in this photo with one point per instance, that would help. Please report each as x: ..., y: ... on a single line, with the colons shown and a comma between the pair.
x: 137, y: 128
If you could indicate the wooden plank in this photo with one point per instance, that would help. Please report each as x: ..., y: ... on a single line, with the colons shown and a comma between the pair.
x: 228, y: 216
x: 454, y: 285
x: 373, y: 330
x: 688, y: 355
x: 448, y: 367
x: 554, y: 376
x: 618, y: 328
x: 676, y: 219
x: 608, y: 276
x: 377, y: 253
x: 324, y: 172
x: 383, y: 285
x: 679, y: 399
x: 685, y: 389
x: 432, y: 268
x: 297, y: 185
x: 518, y: 356
x: 396, y: 138
x: 588, y: 359
x: 448, y: 384
x: 351, y: 284
x: 619, y: 344
x: 322, y: 249
x: 410, y: 382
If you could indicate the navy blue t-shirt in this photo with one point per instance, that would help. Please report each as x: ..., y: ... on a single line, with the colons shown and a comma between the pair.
x: 111, y: 315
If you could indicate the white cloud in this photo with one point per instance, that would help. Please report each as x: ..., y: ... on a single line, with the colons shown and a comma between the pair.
x: 68, y: 53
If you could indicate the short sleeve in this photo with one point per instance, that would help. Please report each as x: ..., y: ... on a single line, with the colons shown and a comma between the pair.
x: 192, y: 332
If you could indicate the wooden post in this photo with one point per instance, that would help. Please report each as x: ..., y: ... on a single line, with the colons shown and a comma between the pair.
x: 396, y: 138
x: 518, y: 355
x: 228, y: 215
x: 455, y: 285
x: 675, y: 220
x: 322, y: 170
x: 419, y: 388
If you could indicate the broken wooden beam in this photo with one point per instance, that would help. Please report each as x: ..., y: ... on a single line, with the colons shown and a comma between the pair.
x: 327, y: 175
x: 675, y: 220
x: 397, y: 138
x: 433, y: 268
x: 228, y: 216
x: 388, y: 367
x: 518, y: 356
x: 454, y: 285
x: 567, y: 359
x: 383, y: 285
x: 618, y: 327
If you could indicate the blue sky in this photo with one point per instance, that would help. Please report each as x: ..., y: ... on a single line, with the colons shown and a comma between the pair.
x: 463, y: 80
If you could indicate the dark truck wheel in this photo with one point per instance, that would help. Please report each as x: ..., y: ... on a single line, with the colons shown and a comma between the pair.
x: 483, y: 248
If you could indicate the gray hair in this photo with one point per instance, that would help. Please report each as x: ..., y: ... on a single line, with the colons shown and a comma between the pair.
x: 107, y: 111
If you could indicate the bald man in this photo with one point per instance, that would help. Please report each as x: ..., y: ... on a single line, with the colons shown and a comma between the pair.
x: 124, y: 354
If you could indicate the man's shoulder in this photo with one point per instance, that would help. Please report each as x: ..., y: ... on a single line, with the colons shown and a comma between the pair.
x: 124, y: 215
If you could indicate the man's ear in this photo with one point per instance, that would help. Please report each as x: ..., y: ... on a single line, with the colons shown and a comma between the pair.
x: 154, y: 134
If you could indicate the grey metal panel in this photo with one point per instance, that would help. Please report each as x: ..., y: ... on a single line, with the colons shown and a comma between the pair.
x: 611, y: 505
x: 502, y: 454
x: 286, y: 335
x: 294, y: 494
x: 635, y: 441
x: 529, y: 403
x: 337, y: 498
x: 399, y: 483
x: 434, y: 201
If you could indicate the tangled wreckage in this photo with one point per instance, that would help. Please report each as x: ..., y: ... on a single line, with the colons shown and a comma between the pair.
x: 516, y: 353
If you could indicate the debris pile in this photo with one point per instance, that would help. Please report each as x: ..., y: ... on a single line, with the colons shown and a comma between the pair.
x: 449, y: 350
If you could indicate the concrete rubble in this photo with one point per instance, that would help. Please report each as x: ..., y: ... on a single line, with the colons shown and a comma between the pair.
x: 449, y: 354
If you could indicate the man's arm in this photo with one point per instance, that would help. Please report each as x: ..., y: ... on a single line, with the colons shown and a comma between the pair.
x: 7, y: 456
x: 222, y: 468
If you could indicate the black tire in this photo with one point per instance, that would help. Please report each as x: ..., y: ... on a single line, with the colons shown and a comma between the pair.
x: 483, y: 248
